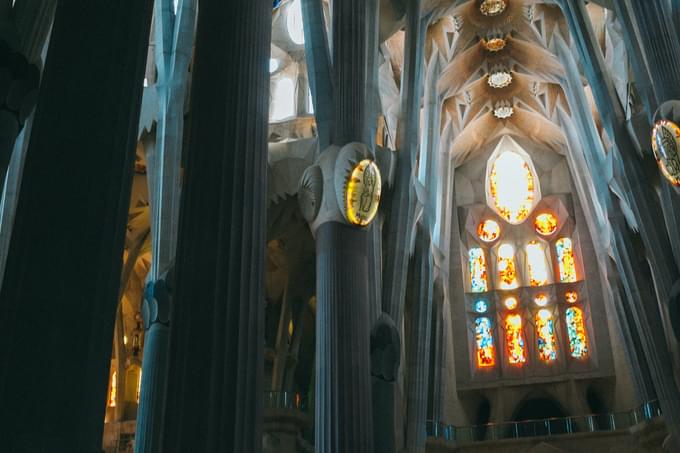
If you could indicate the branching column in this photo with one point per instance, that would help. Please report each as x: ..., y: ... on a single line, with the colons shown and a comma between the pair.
x: 173, y: 46
x: 60, y: 292
x: 214, y: 395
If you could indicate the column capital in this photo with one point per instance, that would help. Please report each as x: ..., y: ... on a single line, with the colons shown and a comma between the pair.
x: 325, y: 186
x: 156, y: 303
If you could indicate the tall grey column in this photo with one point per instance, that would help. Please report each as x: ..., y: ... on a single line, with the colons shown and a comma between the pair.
x: 399, y: 225
x: 173, y: 35
x: 214, y: 395
x: 60, y: 292
x: 344, y: 417
x: 418, y: 359
x: 641, y: 299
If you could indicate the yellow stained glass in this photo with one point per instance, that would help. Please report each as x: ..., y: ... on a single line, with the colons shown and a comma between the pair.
x: 488, y: 230
x: 537, y: 264
x: 565, y: 260
x: 512, y: 187
x: 114, y: 389
x: 545, y: 224
x: 514, y: 340
x: 571, y: 296
x: 507, y: 272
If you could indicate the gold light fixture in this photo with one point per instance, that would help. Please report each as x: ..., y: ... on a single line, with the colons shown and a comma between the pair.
x: 494, y: 44
x: 492, y: 7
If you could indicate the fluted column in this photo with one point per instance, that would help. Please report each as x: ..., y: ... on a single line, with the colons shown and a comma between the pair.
x: 173, y: 34
x: 60, y: 292
x: 344, y: 416
x: 418, y: 359
x: 641, y: 300
x: 214, y: 395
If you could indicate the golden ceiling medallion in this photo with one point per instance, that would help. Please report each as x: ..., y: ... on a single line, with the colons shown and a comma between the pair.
x: 492, y: 7
x: 494, y: 44
x: 666, y: 147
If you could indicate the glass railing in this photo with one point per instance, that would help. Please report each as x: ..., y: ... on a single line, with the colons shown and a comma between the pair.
x: 545, y: 427
x: 285, y: 400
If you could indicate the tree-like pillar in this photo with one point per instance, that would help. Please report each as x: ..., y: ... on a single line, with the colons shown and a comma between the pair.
x: 60, y: 292
x: 214, y: 395
x: 343, y: 408
x: 419, y: 351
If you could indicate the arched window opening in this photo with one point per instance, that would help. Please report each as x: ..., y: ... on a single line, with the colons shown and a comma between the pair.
x: 537, y: 264
x: 576, y: 331
x: 283, y: 101
x: 113, y: 390
x: 294, y: 23
x: 478, y: 275
x: 545, y: 336
x: 507, y: 271
x: 565, y: 260
x: 531, y: 414
x: 512, y: 185
x: 514, y: 340
x: 486, y: 354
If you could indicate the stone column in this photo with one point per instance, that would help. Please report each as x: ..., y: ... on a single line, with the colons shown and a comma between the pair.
x: 60, y: 292
x: 214, y: 395
x: 399, y: 225
x: 173, y: 36
x: 418, y: 367
x: 632, y: 268
x: 343, y: 408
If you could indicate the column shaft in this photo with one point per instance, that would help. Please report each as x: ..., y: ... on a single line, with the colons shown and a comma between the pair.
x: 214, y: 396
x: 60, y: 292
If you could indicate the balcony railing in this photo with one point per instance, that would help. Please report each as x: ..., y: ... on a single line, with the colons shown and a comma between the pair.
x: 285, y: 400
x: 545, y: 427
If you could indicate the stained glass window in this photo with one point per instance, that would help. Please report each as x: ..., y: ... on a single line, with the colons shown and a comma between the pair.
x: 512, y: 187
x: 565, y: 260
x: 486, y: 355
x: 488, y: 230
x: 576, y: 330
x: 510, y: 303
x: 283, y: 100
x: 507, y: 272
x: 481, y: 306
x: 571, y: 296
x: 514, y: 340
x: 478, y: 276
x: 114, y: 390
x: 545, y: 333
x: 541, y: 300
x: 537, y: 264
x: 545, y: 224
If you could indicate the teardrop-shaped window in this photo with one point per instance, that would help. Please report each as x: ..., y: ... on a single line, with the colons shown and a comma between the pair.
x: 512, y: 186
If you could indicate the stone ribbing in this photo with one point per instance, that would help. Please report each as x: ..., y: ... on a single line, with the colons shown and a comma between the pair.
x: 214, y: 396
x: 60, y: 292
x: 345, y: 425
x: 418, y: 367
